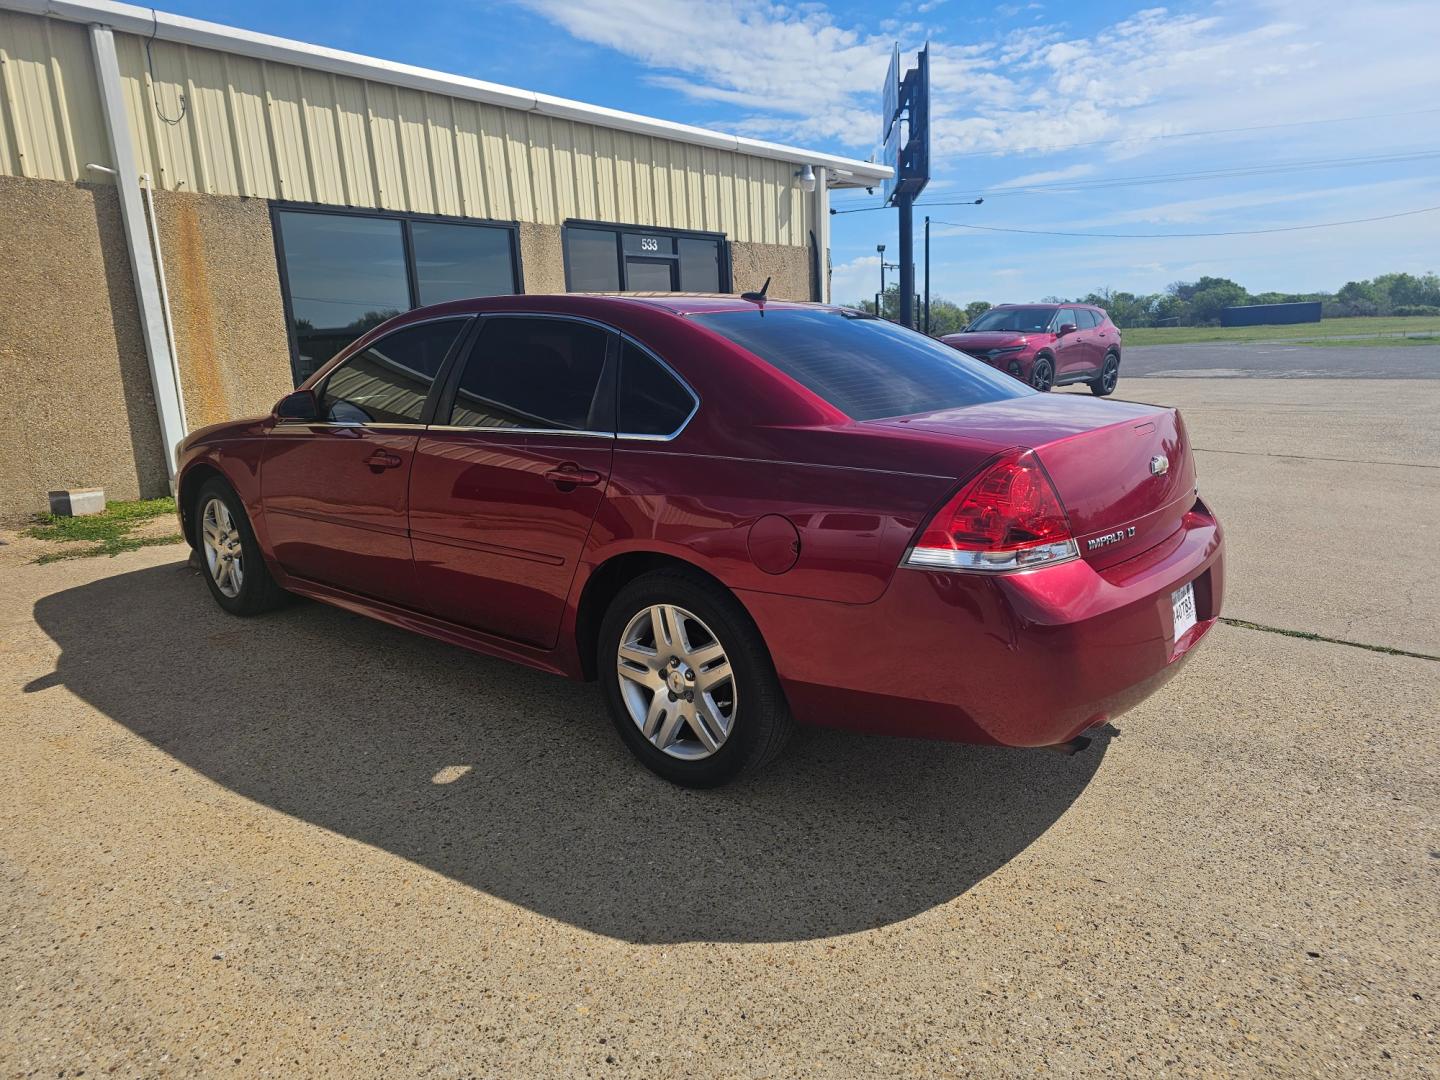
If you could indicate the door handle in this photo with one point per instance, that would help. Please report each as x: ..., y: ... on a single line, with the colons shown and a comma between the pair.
x: 383, y: 459
x: 570, y: 476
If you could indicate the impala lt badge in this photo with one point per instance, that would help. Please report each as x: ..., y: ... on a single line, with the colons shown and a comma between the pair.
x: 1159, y: 466
x: 1098, y: 542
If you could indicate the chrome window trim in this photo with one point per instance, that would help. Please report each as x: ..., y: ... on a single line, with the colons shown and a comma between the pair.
x: 694, y: 397
x: 521, y: 431
x: 416, y: 426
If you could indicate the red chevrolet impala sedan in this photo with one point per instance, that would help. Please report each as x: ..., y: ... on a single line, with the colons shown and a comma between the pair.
x: 735, y: 515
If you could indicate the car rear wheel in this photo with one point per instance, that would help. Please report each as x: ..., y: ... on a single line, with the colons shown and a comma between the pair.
x: 688, y: 680
x: 1042, y: 375
x: 230, y: 555
x: 1104, y: 386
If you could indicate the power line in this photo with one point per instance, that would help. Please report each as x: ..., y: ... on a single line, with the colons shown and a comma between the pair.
x: 1193, y: 134
x: 1173, y: 236
x: 1091, y: 183
x: 1100, y: 183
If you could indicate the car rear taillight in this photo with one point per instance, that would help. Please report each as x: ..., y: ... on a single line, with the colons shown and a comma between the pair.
x: 1008, y: 518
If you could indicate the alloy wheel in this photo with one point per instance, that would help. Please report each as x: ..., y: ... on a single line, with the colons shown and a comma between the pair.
x: 676, y: 682
x: 1110, y: 375
x: 1042, y: 375
x: 223, y: 553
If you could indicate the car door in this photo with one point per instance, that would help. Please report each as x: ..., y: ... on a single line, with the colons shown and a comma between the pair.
x: 1070, y: 350
x: 507, y: 482
x: 1106, y: 336
x: 333, y: 491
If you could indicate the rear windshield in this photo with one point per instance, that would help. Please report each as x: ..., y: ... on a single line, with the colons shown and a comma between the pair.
x: 866, y: 367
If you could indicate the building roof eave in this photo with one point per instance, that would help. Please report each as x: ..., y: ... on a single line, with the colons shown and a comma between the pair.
x: 147, y: 22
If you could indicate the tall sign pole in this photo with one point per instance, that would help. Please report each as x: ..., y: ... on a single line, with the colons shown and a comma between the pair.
x: 907, y: 258
x: 906, y: 136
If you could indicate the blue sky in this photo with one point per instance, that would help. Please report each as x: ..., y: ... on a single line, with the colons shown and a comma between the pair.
x: 1058, y: 99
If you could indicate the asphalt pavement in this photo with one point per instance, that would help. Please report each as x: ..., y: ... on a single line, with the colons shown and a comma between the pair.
x: 1281, y: 360
x: 308, y: 844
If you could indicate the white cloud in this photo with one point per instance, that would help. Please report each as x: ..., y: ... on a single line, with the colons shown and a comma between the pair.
x: 855, y: 280
x: 1050, y: 176
x: 798, y: 71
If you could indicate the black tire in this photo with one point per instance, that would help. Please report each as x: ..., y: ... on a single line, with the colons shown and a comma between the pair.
x: 761, y: 722
x: 1042, y: 374
x: 1104, y: 386
x: 257, y: 590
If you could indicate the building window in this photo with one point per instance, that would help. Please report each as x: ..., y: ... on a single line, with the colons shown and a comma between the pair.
x: 622, y: 258
x: 343, y: 273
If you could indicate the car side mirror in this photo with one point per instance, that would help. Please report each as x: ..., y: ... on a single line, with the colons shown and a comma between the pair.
x: 1066, y: 328
x: 299, y: 406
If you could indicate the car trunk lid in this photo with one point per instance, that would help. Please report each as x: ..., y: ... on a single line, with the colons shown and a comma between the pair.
x: 1124, y: 471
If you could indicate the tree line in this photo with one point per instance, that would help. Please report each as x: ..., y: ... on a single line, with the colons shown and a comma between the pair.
x: 1198, y: 303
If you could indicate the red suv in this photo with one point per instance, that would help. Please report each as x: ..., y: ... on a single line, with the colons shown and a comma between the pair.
x: 1046, y: 344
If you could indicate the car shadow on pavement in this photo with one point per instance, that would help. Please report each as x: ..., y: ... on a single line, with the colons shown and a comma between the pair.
x: 514, y: 782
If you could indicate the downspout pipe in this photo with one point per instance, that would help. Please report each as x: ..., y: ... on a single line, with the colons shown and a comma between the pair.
x: 163, y: 381
x: 147, y: 189
x: 820, y: 226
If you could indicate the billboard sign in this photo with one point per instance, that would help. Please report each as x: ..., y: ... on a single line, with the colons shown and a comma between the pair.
x: 890, y: 155
x: 890, y: 96
x: 907, y: 141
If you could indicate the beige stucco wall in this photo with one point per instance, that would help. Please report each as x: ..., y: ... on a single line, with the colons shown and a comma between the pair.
x: 789, y: 267
x: 542, y: 258
x: 77, y: 408
x: 229, y: 319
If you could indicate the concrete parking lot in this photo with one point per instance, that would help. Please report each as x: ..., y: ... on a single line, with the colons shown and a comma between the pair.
x: 308, y: 844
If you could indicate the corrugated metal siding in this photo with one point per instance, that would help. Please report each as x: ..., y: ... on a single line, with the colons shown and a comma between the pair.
x: 49, y: 103
x: 276, y: 131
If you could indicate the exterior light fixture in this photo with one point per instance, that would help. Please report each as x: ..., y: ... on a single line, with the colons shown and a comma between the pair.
x: 806, y: 176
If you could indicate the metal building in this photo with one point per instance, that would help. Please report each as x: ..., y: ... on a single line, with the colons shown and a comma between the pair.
x: 198, y: 216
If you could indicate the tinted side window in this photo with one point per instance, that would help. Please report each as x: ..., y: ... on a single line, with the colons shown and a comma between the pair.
x: 534, y: 373
x: 866, y: 367
x: 652, y: 402
x: 387, y: 383
x: 1088, y: 319
x: 1067, y: 315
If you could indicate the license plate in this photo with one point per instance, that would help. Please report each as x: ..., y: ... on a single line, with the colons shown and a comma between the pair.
x: 1183, y: 601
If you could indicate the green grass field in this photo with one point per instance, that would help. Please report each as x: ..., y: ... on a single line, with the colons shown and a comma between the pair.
x: 1304, y: 333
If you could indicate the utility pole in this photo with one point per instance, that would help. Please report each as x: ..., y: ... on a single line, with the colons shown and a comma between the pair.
x: 927, y: 273
x: 880, y: 298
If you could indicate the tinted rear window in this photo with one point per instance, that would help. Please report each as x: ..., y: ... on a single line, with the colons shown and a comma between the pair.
x: 867, y: 368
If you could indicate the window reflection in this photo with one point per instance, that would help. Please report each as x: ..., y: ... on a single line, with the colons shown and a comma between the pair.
x: 347, y: 273
x: 388, y: 381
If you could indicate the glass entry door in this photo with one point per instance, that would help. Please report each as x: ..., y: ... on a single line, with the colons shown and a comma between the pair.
x: 649, y: 275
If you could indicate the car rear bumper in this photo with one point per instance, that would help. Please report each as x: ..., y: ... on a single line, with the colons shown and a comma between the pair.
x: 1028, y: 659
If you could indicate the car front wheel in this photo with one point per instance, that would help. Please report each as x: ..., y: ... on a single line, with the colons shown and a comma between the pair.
x: 230, y: 555
x: 688, y: 680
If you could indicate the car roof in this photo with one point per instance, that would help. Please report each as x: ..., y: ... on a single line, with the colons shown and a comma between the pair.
x: 1047, y: 304
x: 595, y: 303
